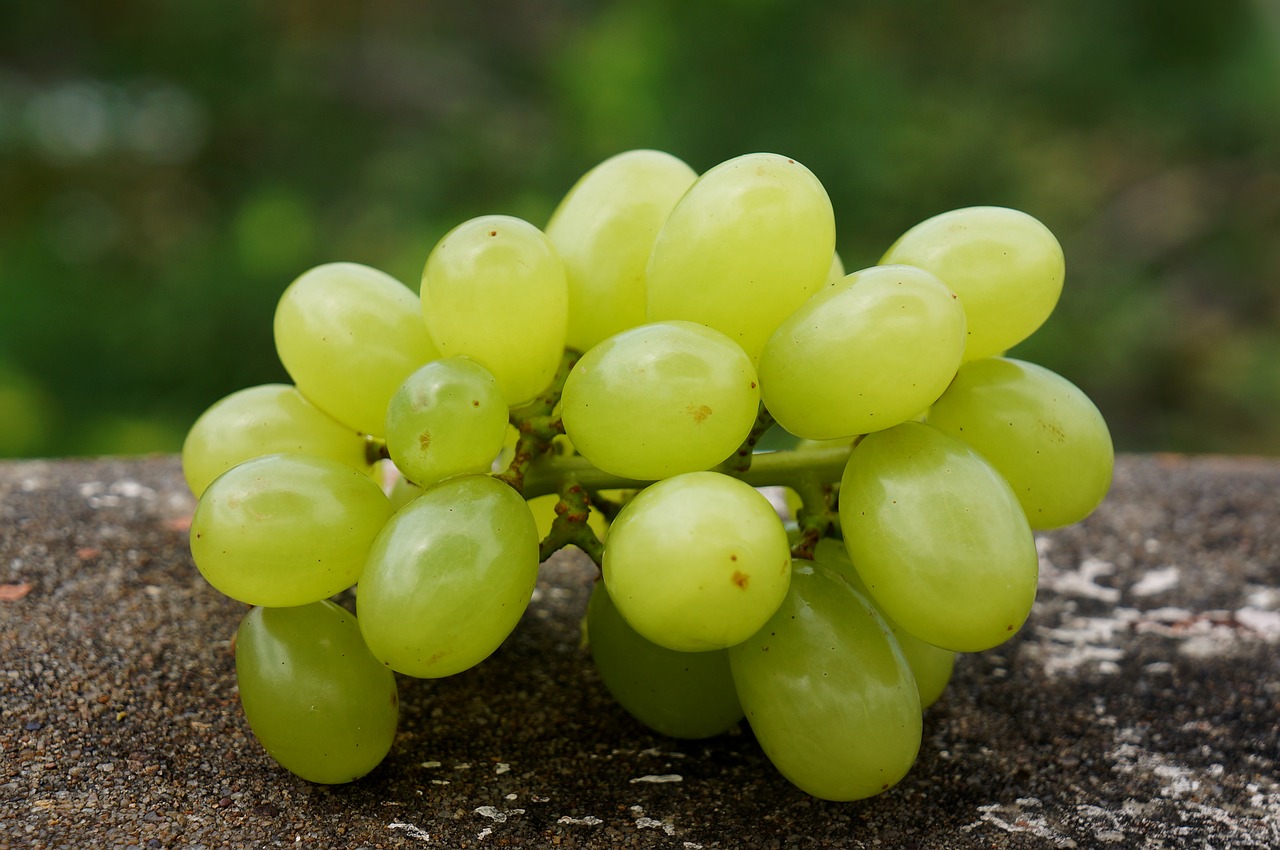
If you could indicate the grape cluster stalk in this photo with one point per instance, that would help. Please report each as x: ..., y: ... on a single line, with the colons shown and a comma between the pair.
x: 606, y: 382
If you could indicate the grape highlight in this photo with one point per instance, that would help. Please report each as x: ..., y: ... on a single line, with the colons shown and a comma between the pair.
x: 604, y: 383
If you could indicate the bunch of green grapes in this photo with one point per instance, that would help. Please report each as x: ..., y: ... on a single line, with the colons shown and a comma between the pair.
x: 602, y: 382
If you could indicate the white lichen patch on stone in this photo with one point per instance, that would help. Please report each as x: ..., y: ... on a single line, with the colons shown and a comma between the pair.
x: 1156, y: 582
x: 497, y: 815
x: 654, y: 823
x: 1097, y: 643
x: 1026, y: 814
x: 589, y: 820
x: 100, y: 495
x: 410, y: 830
x: 1080, y: 582
x: 658, y: 778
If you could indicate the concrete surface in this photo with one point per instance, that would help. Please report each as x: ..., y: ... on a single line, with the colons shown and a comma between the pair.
x: 1137, y: 708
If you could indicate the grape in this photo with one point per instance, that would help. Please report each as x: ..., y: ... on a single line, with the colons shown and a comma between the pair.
x: 659, y: 400
x: 931, y: 665
x: 314, y: 696
x: 865, y: 354
x: 349, y: 335
x: 494, y: 290
x: 403, y: 491
x: 939, y: 537
x: 697, y: 562
x: 448, y: 577
x: 1005, y: 265
x: 604, y: 230
x: 836, y: 272
x: 1038, y: 429
x: 828, y: 692
x: 447, y: 418
x: 717, y: 345
x: 681, y: 694
x: 267, y: 419
x: 746, y: 245
x: 283, y: 530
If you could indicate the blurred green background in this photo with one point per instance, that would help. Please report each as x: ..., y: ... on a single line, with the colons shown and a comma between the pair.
x: 167, y: 168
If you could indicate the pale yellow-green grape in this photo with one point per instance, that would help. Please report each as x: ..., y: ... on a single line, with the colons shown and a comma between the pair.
x: 448, y: 418
x: 403, y: 491
x: 697, y: 562
x: 283, y: 530
x: 604, y: 229
x: 931, y: 666
x: 863, y: 355
x: 836, y: 273
x: 349, y: 335
x: 1044, y: 435
x: 267, y: 419
x: 449, y: 577
x: 494, y: 290
x: 828, y: 692
x: 746, y: 245
x: 660, y: 399
x: 681, y: 694
x: 938, y: 537
x: 314, y: 696
x: 1005, y: 265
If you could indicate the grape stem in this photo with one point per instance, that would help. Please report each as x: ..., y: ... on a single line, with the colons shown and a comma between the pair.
x: 536, y: 470
x: 741, y: 460
x: 794, y: 468
x: 570, y: 525
x: 537, y: 426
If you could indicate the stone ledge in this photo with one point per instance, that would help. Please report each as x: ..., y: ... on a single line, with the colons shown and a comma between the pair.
x: 1137, y: 707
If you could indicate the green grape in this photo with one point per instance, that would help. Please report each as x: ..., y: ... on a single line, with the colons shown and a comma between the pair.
x: 494, y: 290
x: 448, y: 418
x: 268, y: 419
x: 828, y: 692
x: 283, y: 530
x: 939, y: 537
x: 659, y: 400
x: 449, y: 577
x: 349, y: 335
x: 1006, y: 267
x: 931, y: 666
x: 697, y: 562
x: 403, y: 491
x: 863, y: 355
x: 1038, y: 429
x: 746, y: 245
x: 314, y: 696
x: 604, y: 230
x: 836, y: 272
x: 681, y: 694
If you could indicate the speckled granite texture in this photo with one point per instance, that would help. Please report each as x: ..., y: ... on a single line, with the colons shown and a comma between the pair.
x: 1138, y: 708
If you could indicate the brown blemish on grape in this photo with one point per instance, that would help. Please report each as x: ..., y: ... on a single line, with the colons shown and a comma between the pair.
x: 475, y: 402
x: 424, y: 440
x: 740, y: 579
x: 699, y: 412
x: 493, y: 233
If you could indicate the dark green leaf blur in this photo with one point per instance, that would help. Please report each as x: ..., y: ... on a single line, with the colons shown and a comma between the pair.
x: 167, y: 168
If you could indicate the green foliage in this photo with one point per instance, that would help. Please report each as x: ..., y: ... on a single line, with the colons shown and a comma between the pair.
x: 166, y: 169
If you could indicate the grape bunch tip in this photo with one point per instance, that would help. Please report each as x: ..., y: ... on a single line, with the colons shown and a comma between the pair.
x: 605, y: 381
